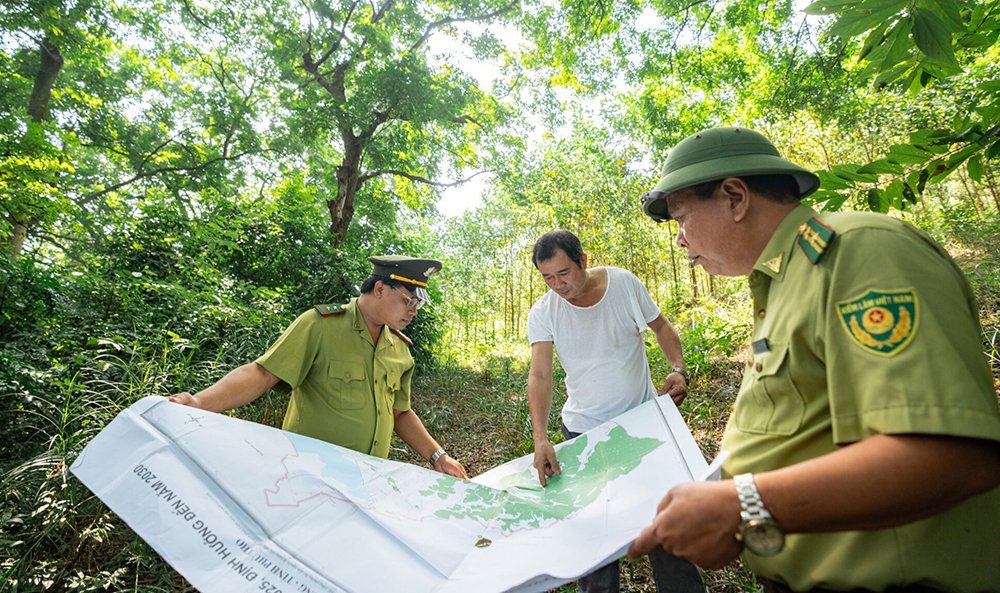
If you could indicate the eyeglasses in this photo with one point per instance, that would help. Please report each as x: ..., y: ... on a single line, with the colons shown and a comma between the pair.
x: 414, y: 303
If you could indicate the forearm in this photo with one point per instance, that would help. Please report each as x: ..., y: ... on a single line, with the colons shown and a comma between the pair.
x: 539, y: 405
x: 670, y: 344
x: 409, y: 428
x: 240, y: 386
x: 880, y: 482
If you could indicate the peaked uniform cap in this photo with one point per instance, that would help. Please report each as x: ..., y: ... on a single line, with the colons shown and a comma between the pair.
x: 718, y: 153
x: 412, y: 271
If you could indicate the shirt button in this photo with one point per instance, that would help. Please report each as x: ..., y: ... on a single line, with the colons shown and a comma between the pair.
x: 761, y: 313
x: 347, y: 375
x: 758, y: 367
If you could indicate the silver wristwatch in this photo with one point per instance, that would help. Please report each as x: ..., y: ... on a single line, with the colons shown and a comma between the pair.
x: 683, y: 373
x: 758, y: 531
x: 437, y: 455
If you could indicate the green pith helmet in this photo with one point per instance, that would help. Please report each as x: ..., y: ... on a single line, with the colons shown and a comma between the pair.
x: 718, y: 153
x: 412, y: 271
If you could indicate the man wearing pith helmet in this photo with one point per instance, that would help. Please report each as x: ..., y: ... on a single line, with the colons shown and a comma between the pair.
x: 863, y: 443
x: 347, y: 368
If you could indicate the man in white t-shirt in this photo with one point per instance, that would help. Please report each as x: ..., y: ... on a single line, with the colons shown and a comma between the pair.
x: 595, y: 319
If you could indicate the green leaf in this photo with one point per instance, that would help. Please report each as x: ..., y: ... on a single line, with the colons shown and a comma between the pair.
x: 876, y: 201
x: 830, y: 181
x: 875, y: 38
x: 906, y: 154
x: 922, y: 178
x: 829, y: 7
x: 892, y: 74
x: 942, y: 169
x: 975, y: 168
x: 991, y: 86
x: 975, y: 41
x: 948, y: 11
x: 993, y: 150
x: 851, y: 172
x: 829, y: 200
x: 927, y: 136
x: 933, y: 38
x: 882, y: 166
x: 898, y: 44
x: 868, y: 16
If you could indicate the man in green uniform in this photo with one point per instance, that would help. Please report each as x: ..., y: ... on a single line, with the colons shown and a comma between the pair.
x: 348, y: 368
x: 867, y: 413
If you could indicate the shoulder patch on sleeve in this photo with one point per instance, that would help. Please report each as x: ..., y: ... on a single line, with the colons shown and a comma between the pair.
x: 814, y: 239
x: 881, y: 322
x: 328, y: 310
x: 408, y: 341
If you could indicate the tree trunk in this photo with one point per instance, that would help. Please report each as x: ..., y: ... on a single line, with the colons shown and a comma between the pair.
x: 49, y: 64
x: 694, y: 284
x: 992, y: 186
x: 348, y: 181
x: 17, y: 237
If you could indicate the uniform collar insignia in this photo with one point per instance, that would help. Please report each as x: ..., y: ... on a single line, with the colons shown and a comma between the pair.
x: 773, y: 264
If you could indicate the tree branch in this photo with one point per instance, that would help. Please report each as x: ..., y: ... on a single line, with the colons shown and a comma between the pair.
x: 418, y: 178
x: 469, y: 19
x: 153, y: 172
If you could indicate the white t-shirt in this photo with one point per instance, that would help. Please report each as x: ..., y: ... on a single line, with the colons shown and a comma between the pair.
x: 600, y: 348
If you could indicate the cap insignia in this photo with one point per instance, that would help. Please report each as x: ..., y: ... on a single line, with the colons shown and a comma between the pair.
x: 430, y: 271
x: 409, y: 280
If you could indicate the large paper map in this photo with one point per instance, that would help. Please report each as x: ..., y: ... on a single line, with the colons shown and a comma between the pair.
x: 237, y: 506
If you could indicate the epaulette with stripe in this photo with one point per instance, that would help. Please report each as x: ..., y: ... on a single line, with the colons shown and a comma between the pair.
x: 408, y: 341
x: 815, y: 238
x: 328, y: 310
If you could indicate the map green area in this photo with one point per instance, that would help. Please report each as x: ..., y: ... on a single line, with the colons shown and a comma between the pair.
x: 520, y: 502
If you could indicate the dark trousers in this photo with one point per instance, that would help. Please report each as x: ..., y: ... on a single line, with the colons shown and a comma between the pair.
x: 670, y: 573
x: 770, y: 586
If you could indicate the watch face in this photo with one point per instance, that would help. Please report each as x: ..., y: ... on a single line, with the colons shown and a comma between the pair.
x: 763, y: 537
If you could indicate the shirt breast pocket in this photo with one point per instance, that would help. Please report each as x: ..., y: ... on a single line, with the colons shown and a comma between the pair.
x: 347, y: 384
x: 769, y: 402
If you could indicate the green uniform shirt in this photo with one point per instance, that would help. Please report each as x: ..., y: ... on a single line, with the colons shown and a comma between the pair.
x: 880, y: 335
x: 344, y: 387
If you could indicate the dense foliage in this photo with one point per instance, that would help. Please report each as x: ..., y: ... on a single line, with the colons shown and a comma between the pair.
x: 178, y: 180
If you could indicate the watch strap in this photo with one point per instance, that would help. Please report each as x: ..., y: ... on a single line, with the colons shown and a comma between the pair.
x: 680, y: 371
x: 750, y: 501
x: 435, y: 456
